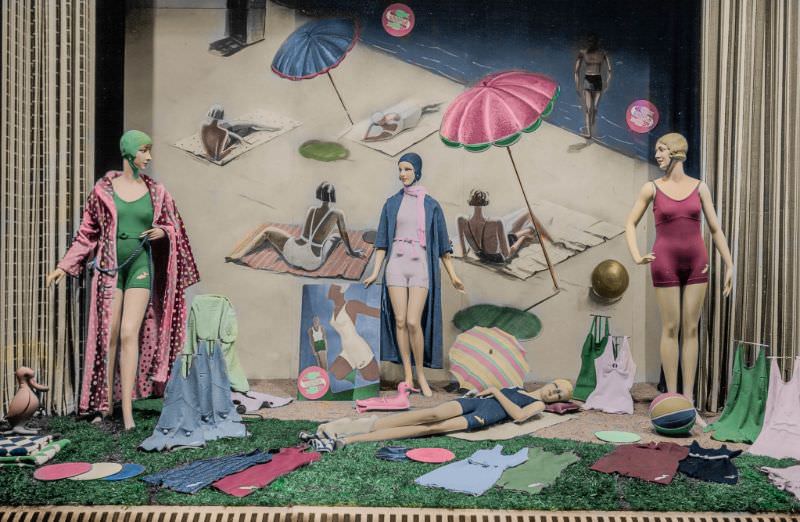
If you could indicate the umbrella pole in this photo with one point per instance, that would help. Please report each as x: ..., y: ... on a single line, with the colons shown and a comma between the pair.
x: 340, y: 97
x: 535, y: 228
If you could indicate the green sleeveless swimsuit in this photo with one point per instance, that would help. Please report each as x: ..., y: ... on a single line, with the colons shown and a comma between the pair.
x: 743, y: 414
x: 133, y: 218
x: 593, y: 347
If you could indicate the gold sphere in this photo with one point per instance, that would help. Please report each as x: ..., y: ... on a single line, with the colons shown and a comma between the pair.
x: 610, y: 279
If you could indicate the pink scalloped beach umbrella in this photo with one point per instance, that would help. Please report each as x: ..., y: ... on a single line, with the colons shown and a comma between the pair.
x: 497, y: 111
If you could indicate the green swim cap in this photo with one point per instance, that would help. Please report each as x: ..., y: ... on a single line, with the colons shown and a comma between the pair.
x: 129, y: 145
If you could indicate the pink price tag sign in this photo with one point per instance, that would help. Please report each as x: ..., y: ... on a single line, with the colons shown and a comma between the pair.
x: 398, y: 20
x: 642, y: 116
x: 313, y: 383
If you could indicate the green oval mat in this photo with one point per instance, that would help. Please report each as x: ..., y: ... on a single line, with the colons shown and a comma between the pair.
x: 621, y: 437
x: 323, y: 150
x: 522, y: 325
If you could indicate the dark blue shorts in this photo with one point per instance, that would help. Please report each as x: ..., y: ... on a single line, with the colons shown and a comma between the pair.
x: 481, y: 412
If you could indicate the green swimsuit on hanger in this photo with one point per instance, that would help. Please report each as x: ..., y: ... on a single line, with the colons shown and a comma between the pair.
x: 133, y: 218
x: 593, y: 347
x: 743, y: 415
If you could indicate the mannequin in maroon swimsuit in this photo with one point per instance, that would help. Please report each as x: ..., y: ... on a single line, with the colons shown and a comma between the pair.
x: 679, y: 260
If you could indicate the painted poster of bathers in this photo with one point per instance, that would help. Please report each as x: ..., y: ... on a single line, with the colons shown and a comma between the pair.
x: 339, y: 342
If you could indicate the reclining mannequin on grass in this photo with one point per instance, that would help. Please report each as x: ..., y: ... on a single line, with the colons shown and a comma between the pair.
x: 489, y: 407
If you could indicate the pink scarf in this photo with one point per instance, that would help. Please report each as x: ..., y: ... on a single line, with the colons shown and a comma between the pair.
x: 419, y: 192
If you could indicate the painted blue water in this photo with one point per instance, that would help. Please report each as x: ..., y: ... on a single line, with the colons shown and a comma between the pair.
x: 654, y: 52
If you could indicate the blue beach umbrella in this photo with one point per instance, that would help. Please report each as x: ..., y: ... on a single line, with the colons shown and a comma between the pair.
x: 314, y: 49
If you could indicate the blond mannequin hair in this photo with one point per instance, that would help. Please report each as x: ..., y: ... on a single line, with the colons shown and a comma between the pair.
x: 677, y: 145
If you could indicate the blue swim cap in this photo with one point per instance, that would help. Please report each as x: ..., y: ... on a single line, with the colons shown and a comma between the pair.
x: 415, y: 160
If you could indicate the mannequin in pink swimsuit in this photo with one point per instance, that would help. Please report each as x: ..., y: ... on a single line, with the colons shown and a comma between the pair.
x: 679, y: 261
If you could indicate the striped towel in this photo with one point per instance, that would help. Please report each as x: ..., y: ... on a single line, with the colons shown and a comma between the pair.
x: 338, y: 264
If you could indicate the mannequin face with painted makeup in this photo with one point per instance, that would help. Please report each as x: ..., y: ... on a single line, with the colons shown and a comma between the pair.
x: 143, y: 157
x: 662, y: 156
x: 406, y: 173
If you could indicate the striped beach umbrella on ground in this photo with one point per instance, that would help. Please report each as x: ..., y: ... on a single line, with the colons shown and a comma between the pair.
x: 483, y: 357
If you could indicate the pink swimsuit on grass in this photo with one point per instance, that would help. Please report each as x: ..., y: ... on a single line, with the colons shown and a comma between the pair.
x: 681, y: 256
x: 408, y: 264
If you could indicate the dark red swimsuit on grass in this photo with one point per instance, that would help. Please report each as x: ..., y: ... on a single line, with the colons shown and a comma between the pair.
x: 680, y: 253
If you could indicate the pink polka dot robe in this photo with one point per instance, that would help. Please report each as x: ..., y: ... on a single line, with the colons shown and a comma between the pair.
x: 163, y: 328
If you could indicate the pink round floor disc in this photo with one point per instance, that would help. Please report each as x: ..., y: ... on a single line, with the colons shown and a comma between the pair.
x: 61, y: 471
x: 431, y: 455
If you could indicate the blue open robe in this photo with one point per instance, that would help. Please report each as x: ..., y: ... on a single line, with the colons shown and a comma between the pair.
x: 437, y: 245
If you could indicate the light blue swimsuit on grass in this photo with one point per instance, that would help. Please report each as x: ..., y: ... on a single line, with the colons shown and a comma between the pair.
x: 476, y: 474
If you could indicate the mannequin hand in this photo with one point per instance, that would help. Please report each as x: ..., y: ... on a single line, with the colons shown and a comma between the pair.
x: 487, y: 392
x: 55, y: 277
x: 371, y: 279
x: 457, y: 284
x: 646, y: 259
x: 728, y: 286
x: 153, y: 234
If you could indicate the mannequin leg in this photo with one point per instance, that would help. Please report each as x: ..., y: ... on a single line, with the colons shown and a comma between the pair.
x: 416, y: 305
x: 693, y: 298
x: 133, y: 310
x: 444, y: 411
x: 398, y: 295
x: 669, y: 305
x: 430, y: 421
x: 113, y: 346
x: 408, y: 432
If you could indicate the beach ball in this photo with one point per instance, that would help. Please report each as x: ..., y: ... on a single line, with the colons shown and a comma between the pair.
x: 609, y: 279
x: 672, y: 414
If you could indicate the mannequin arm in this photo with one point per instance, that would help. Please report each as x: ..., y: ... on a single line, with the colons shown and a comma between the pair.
x: 635, y: 215
x: 514, y: 411
x: 85, y: 241
x: 576, y: 72
x: 718, y: 236
x: 380, y: 255
x: 447, y: 261
x: 608, y: 77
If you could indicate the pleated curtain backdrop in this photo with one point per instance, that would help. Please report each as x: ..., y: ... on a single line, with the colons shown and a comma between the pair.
x: 46, y: 168
x: 751, y: 162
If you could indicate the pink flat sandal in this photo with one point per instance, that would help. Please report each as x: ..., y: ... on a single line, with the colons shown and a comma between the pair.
x: 396, y: 402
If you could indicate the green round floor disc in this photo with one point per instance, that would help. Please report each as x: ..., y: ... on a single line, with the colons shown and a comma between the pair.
x: 621, y: 437
x: 522, y: 325
x: 323, y: 150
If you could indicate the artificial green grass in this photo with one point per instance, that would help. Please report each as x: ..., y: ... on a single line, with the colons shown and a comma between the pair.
x: 353, y: 476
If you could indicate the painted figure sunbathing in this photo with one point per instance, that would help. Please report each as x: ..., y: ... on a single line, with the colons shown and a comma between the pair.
x: 489, y: 407
x: 495, y: 241
x: 220, y: 136
x: 318, y: 239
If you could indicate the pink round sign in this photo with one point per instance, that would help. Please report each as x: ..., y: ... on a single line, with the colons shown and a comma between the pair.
x: 398, y: 19
x: 313, y: 383
x: 642, y: 116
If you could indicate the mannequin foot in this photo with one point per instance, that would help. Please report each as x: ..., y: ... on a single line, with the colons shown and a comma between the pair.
x: 128, y: 426
x: 423, y: 385
x: 101, y: 416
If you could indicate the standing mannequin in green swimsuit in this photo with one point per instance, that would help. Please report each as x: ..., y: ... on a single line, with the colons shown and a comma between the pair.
x: 131, y: 297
